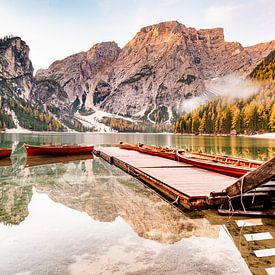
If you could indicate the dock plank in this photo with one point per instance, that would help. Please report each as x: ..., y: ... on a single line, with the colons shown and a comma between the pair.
x: 192, y: 181
x: 175, y: 179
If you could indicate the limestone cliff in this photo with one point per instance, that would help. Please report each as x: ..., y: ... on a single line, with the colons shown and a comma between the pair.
x: 75, y: 72
x: 25, y: 102
x: 161, y: 67
x: 16, y: 70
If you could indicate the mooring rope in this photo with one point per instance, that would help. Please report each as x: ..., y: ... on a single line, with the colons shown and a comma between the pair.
x: 176, y: 200
x: 242, y: 194
x: 230, y: 206
x: 253, y: 198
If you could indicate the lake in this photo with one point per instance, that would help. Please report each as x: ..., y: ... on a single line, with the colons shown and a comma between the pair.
x: 86, y: 216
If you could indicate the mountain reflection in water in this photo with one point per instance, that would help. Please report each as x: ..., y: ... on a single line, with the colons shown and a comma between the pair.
x: 86, y: 216
x: 104, y: 192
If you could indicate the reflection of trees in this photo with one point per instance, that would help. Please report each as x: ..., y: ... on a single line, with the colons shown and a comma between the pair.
x: 14, y: 202
x: 15, y: 195
x: 245, y: 147
x: 106, y: 192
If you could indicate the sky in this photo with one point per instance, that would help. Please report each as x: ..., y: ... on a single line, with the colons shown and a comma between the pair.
x: 54, y: 29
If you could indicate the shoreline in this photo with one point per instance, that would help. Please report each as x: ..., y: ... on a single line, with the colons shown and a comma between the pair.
x: 26, y: 131
x: 265, y: 135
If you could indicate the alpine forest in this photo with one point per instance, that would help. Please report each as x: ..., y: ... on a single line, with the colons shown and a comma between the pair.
x: 226, y: 115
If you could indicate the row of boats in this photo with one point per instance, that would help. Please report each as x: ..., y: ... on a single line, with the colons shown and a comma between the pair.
x: 231, y: 166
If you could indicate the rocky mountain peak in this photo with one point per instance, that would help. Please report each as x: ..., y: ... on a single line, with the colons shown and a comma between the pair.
x: 16, y: 70
x: 154, y: 73
x: 14, y: 58
x: 109, y: 50
x: 163, y: 27
x: 74, y: 73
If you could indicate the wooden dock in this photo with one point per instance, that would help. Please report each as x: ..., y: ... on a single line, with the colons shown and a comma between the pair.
x: 185, y: 184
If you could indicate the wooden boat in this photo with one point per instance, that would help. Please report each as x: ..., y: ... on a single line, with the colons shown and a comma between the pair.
x: 128, y: 146
x: 163, y: 152
x: 261, y: 213
x: 230, y: 166
x: 5, y: 152
x: 153, y: 150
x: 45, y: 160
x: 57, y: 150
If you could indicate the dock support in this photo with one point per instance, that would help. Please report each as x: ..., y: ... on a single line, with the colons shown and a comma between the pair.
x: 253, y: 179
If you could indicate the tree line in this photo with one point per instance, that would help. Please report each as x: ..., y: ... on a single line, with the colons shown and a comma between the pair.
x: 239, y: 116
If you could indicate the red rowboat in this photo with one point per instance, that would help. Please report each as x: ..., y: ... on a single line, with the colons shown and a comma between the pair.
x: 230, y: 166
x: 163, y: 152
x: 127, y: 146
x: 4, y: 152
x: 57, y: 150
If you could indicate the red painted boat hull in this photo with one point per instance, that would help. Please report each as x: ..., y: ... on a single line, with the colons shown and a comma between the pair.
x: 128, y: 146
x: 167, y: 155
x: 228, y: 170
x: 61, y: 150
x: 149, y: 150
x: 5, y: 153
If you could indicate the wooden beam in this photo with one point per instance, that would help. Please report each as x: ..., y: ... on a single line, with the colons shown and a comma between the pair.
x: 253, y: 179
x: 266, y: 213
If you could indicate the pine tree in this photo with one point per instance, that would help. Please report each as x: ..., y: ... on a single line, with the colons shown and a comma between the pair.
x: 272, y: 119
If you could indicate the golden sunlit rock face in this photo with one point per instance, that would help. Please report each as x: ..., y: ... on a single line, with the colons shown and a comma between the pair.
x: 161, y: 67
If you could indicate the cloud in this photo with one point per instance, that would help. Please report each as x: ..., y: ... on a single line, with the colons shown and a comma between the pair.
x: 220, y: 13
x: 233, y: 86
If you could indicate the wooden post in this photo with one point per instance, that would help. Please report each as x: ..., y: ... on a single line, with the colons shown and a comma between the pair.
x: 253, y: 179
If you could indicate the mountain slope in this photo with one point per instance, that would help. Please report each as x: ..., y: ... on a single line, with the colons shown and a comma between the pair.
x: 255, y: 113
x: 266, y: 69
x: 153, y: 75
x: 25, y: 102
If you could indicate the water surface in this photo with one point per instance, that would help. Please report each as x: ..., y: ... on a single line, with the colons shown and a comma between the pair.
x: 86, y: 216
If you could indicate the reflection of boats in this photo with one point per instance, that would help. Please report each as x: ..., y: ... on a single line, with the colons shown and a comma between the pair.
x: 5, y: 162
x: 5, y: 152
x: 57, y: 150
x: 107, y: 194
x: 230, y: 166
x: 43, y: 160
x: 163, y: 152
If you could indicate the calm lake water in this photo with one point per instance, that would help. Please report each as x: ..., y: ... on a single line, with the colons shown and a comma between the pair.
x: 85, y: 216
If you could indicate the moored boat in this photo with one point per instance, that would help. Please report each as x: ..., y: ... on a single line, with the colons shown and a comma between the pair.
x: 57, y: 150
x: 5, y: 152
x: 128, y: 146
x: 230, y: 166
x: 162, y: 152
x: 153, y: 150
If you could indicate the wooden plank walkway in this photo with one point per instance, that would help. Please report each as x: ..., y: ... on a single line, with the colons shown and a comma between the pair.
x: 183, y: 183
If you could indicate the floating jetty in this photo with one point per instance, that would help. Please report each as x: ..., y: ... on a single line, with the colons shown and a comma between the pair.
x: 184, y: 184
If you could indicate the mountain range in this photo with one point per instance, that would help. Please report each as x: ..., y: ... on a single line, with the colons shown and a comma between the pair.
x: 148, y: 80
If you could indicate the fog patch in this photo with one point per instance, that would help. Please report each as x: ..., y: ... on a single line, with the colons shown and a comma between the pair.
x: 232, y: 86
x: 188, y: 105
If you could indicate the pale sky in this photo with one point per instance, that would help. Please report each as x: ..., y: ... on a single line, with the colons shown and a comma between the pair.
x: 54, y: 29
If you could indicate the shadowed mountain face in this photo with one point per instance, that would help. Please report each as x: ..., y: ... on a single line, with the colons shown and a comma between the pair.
x: 163, y: 65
